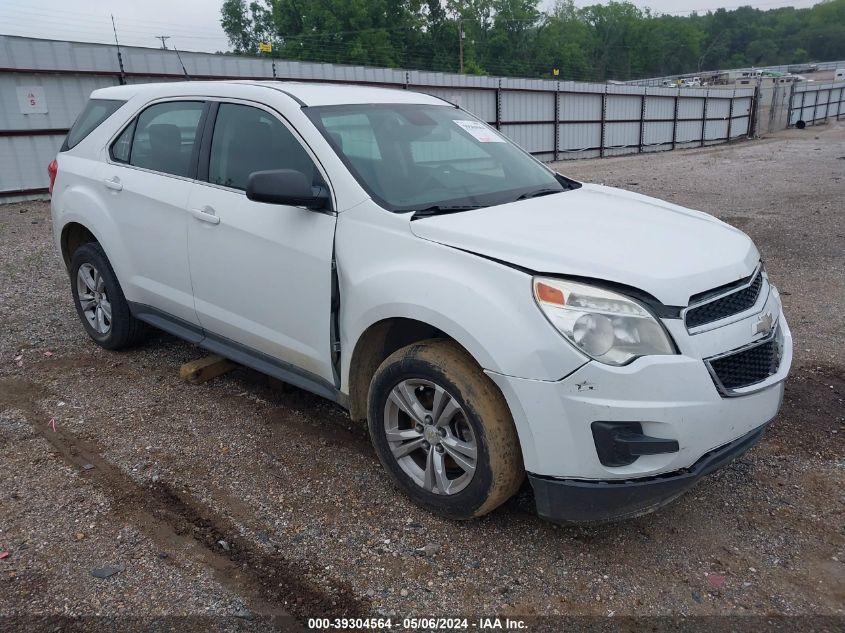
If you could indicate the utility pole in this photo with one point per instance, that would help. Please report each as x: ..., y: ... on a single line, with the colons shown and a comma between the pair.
x: 461, y: 44
x: 163, y: 39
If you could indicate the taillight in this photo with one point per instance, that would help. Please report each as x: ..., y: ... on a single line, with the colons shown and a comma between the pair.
x: 52, y: 171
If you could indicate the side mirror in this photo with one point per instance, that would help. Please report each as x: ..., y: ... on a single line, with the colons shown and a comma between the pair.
x: 285, y: 186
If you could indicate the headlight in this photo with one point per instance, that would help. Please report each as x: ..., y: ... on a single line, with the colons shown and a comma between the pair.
x: 608, y: 327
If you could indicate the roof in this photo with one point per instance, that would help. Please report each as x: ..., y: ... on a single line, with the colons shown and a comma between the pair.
x: 309, y: 94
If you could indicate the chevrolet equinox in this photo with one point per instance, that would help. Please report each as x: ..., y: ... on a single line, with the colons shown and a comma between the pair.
x: 490, y: 318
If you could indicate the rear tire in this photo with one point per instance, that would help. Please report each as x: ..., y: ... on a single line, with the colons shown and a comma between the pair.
x: 443, y: 430
x: 99, y: 300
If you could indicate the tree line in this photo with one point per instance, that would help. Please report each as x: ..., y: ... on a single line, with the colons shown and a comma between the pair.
x: 516, y: 38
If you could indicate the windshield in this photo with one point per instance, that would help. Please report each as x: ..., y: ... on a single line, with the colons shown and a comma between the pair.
x: 412, y: 157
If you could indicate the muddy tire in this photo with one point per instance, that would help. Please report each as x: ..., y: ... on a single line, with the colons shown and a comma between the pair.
x: 99, y: 300
x: 443, y: 430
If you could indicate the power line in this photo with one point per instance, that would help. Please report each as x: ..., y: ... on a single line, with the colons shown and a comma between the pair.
x: 86, y: 27
x: 335, y: 53
x: 190, y: 32
x: 388, y: 56
x: 330, y: 47
x: 48, y: 16
x: 731, y: 8
x: 82, y: 16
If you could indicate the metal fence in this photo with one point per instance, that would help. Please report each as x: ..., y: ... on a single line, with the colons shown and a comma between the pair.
x: 814, y: 103
x: 772, y: 107
x: 783, y: 68
x: 44, y: 84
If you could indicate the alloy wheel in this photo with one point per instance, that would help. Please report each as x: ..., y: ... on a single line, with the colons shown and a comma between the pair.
x: 93, y: 298
x: 430, y: 436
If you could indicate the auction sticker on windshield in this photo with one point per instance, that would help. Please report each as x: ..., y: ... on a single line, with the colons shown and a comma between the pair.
x: 481, y: 132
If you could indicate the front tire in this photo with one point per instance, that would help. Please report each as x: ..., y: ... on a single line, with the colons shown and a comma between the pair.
x: 99, y: 300
x: 443, y: 430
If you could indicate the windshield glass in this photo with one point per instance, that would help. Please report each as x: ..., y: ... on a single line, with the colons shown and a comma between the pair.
x: 412, y: 157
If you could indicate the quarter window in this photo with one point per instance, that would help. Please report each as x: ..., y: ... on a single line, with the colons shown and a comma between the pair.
x: 247, y: 140
x: 123, y: 145
x: 164, y: 137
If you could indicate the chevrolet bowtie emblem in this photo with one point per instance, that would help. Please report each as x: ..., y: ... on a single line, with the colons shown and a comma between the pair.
x: 765, y: 323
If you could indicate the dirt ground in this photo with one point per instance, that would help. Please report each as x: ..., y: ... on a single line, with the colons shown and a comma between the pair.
x: 221, y: 505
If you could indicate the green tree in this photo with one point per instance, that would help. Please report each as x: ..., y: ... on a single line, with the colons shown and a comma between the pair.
x: 800, y: 56
x: 616, y: 40
x: 564, y: 43
x: 238, y: 26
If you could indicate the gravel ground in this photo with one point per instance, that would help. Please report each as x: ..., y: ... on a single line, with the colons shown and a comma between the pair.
x: 233, y: 501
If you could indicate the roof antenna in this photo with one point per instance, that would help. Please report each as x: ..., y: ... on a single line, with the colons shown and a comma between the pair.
x: 187, y: 76
x: 122, y: 77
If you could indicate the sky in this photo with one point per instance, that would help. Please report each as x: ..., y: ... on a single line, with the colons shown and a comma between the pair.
x: 194, y: 25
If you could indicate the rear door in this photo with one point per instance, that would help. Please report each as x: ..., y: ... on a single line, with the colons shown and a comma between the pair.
x: 149, y: 177
x: 261, y: 273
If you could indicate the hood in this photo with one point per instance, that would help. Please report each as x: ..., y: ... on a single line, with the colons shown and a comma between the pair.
x: 665, y: 250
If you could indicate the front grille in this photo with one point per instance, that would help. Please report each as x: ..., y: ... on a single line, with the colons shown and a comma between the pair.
x: 726, y: 306
x: 747, y: 367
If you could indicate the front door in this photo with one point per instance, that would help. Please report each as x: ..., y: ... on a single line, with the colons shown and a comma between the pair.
x: 261, y: 273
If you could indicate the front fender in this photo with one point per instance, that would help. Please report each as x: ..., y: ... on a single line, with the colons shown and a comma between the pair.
x: 385, y: 272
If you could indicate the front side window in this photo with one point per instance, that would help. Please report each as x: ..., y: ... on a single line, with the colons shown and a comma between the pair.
x: 411, y: 157
x: 247, y: 140
x: 164, y: 137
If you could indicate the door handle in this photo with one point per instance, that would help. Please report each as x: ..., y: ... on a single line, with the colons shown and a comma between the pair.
x: 113, y: 183
x: 206, y: 214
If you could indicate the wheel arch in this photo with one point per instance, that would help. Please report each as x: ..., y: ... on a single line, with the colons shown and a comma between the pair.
x: 376, y: 343
x: 74, y: 234
x: 81, y: 215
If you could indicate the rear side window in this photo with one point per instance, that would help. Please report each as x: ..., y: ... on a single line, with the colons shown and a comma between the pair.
x: 163, y: 139
x: 97, y: 111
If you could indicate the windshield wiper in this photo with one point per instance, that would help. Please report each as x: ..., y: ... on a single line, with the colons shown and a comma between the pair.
x: 537, y: 193
x: 439, y: 209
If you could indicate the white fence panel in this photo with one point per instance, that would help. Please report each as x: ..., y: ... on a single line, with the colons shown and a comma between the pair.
x: 552, y: 119
x: 691, y: 108
x: 528, y: 106
x: 532, y: 138
x: 659, y: 107
x: 625, y: 108
x: 657, y: 133
x: 813, y: 104
x: 621, y: 134
x: 577, y: 138
x: 580, y: 107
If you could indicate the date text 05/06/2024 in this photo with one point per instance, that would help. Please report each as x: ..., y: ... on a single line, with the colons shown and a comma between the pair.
x: 414, y: 624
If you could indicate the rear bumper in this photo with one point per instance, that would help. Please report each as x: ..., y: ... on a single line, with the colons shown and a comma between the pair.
x: 570, y: 501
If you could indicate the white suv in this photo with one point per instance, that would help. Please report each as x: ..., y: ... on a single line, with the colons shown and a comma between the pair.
x: 389, y: 251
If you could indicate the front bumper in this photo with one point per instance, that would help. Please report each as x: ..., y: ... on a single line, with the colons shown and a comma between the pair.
x: 569, y: 501
x: 671, y: 397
